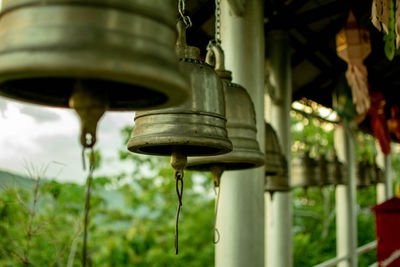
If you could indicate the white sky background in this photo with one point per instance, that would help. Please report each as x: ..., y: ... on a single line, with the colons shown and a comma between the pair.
x: 39, y: 135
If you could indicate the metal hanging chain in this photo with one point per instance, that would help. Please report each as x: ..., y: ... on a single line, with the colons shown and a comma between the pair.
x: 87, y: 203
x: 179, y: 192
x: 217, y: 235
x: 218, y: 22
x: 182, y: 9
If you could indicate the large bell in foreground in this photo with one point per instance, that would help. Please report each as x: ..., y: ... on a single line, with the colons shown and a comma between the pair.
x: 122, y: 50
x: 195, y: 128
x: 273, y: 153
x: 241, y: 126
x: 305, y: 172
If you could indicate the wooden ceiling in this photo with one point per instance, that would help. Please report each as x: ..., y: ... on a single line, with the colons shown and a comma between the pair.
x: 312, y: 25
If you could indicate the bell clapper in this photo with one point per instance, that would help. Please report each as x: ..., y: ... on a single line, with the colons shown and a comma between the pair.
x: 90, y: 107
x: 178, y: 162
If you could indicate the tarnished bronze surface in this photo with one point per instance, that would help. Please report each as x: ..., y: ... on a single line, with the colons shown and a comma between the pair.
x: 364, y: 174
x: 325, y: 177
x: 241, y: 126
x: 121, y: 49
x: 273, y: 153
x: 337, y: 171
x: 305, y: 172
x: 280, y: 181
x: 195, y: 128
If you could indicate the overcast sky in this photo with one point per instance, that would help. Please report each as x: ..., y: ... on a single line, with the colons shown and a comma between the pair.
x: 39, y: 135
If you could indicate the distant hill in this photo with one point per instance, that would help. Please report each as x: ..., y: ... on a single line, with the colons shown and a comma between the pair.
x: 8, y: 179
x: 113, y: 198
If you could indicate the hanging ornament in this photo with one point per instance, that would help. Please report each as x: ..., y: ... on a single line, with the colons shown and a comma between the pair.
x: 353, y: 46
x: 380, y: 14
x: 378, y: 121
x: 90, y: 56
x: 390, y: 36
x: 195, y: 128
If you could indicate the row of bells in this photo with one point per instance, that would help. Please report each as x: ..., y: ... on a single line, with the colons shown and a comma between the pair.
x: 308, y: 172
x: 95, y: 56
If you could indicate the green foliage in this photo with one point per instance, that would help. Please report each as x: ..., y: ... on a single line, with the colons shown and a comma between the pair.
x: 132, y: 219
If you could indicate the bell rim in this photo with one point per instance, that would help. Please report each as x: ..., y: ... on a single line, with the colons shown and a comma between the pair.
x: 190, y: 145
x: 255, y: 159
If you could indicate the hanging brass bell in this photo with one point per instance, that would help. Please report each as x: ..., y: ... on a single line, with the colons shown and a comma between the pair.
x: 379, y: 174
x: 117, y: 55
x: 273, y: 153
x: 325, y: 177
x: 195, y: 128
x: 121, y: 49
x: 305, y: 172
x: 241, y: 126
x: 280, y: 181
x: 337, y: 170
x: 363, y: 174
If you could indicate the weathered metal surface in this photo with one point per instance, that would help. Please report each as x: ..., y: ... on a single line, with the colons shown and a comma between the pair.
x: 123, y: 49
x: 280, y: 181
x: 325, y: 177
x: 305, y: 172
x: 273, y: 153
x: 241, y: 125
x: 337, y: 170
x: 195, y: 128
x: 364, y: 174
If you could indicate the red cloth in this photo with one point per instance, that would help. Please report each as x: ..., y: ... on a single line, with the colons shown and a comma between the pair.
x: 378, y: 121
x: 388, y: 232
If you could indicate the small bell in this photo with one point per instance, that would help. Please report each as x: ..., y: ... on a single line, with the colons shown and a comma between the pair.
x: 280, y: 181
x: 51, y: 49
x: 195, y: 128
x: 363, y: 174
x: 337, y: 170
x: 325, y: 177
x: 273, y: 153
x: 305, y: 172
x: 241, y: 126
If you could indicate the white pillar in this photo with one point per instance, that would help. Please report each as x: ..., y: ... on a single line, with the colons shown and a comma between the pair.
x: 241, y: 212
x: 279, y: 211
x: 384, y: 191
x: 346, y: 201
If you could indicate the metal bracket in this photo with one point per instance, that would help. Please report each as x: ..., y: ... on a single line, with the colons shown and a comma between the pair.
x: 237, y: 7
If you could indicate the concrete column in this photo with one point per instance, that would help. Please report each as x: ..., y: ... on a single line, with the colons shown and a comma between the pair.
x: 346, y: 201
x: 240, y: 218
x: 384, y: 191
x: 279, y: 211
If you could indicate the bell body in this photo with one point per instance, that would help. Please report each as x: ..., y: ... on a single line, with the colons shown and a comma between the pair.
x: 195, y: 128
x: 379, y: 174
x: 363, y: 174
x: 337, y: 171
x: 280, y: 181
x: 273, y: 153
x: 305, y: 172
x: 324, y: 174
x: 242, y: 131
x: 123, y: 49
